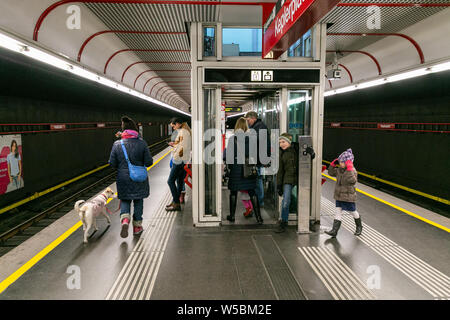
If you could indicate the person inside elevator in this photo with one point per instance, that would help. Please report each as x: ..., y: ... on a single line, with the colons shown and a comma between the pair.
x: 181, y: 155
x: 287, y: 177
x: 261, y: 129
x: 239, y: 147
x: 345, y: 192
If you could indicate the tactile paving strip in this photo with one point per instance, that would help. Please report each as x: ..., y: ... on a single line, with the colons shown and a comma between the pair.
x: 138, y: 276
x: 424, y: 275
x: 340, y: 280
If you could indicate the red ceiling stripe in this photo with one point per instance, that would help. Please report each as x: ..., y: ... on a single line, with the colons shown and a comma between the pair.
x: 135, y: 81
x: 143, y: 88
x: 157, y: 91
x: 164, y: 91
x: 150, y: 94
x: 394, y: 4
x: 171, y: 95
x: 55, y: 5
x: 173, y: 70
x: 346, y: 69
x: 414, y: 43
x: 83, y: 46
x: 151, y: 62
x: 363, y: 52
x: 138, y: 50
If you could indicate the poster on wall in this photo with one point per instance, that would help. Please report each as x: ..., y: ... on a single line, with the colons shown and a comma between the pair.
x: 11, y: 173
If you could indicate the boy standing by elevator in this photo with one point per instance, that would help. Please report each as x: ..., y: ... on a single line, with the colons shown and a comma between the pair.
x: 287, y: 177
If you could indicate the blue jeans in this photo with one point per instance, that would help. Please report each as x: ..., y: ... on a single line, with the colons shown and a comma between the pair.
x: 171, y: 165
x: 260, y: 188
x: 287, y: 192
x: 125, y: 207
x: 177, y: 174
x: 16, y: 181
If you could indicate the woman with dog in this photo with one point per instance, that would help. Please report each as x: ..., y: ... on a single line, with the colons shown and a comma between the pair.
x: 128, y: 190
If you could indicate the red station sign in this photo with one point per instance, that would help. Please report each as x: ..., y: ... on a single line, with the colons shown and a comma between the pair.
x: 386, y: 125
x: 289, y: 20
x: 57, y: 127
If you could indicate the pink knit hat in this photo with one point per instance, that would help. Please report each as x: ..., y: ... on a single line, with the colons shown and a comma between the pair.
x: 346, y: 155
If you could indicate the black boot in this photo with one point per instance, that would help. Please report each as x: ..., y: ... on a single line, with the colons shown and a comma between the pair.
x: 336, y: 225
x: 257, y: 209
x: 232, y: 207
x: 281, y: 227
x: 358, y: 227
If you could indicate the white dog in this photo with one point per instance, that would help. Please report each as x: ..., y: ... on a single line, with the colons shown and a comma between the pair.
x: 90, y: 210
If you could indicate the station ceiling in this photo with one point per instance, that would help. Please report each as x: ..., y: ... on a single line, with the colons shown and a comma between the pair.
x: 157, y: 32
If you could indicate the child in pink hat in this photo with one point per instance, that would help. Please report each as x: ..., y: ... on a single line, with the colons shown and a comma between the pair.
x: 345, y: 191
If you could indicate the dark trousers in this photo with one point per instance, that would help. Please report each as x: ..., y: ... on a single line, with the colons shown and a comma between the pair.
x: 175, y: 181
x: 251, y: 193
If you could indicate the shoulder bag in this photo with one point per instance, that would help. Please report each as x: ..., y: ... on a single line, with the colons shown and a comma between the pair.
x: 137, y: 173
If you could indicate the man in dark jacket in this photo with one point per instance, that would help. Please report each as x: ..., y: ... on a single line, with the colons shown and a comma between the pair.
x: 263, y: 155
x: 127, y: 189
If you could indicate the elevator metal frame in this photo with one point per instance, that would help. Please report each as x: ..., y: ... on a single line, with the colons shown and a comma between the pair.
x: 200, y: 63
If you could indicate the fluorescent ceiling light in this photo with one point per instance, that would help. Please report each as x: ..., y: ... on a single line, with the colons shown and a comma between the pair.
x: 407, y: 75
x: 440, y: 67
x: 237, y: 114
x: 9, y: 43
x: 298, y: 100
x: 53, y: 60
x: 397, y: 77
x: 345, y: 89
x: 371, y: 83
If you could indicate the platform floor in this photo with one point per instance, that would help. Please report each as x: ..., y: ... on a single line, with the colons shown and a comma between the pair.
x: 397, y: 257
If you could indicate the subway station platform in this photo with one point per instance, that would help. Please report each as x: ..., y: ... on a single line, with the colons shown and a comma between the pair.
x: 396, y: 257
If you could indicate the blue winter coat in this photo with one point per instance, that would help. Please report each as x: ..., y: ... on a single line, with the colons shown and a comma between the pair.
x: 236, y: 180
x: 139, y: 155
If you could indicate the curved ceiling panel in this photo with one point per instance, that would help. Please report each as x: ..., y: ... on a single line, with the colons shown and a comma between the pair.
x: 159, y: 57
x: 395, y: 54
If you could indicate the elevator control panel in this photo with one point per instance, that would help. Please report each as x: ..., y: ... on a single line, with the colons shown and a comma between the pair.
x: 305, y: 157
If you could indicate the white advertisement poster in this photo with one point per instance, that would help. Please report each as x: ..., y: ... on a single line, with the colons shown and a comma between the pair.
x: 11, y: 173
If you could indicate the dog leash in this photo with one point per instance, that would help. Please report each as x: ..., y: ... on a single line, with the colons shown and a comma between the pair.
x: 109, y: 211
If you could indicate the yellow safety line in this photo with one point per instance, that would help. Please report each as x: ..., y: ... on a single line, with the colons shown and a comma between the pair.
x: 42, y: 193
x: 397, y: 207
x: 154, y: 164
x: 420, y: 193
x: 28, y: 265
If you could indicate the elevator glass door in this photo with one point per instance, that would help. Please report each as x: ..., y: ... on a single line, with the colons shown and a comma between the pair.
x: 298, y: 123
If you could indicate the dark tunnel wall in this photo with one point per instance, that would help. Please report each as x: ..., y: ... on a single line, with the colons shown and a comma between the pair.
x: 31, y: 92
x: 418, y: 160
